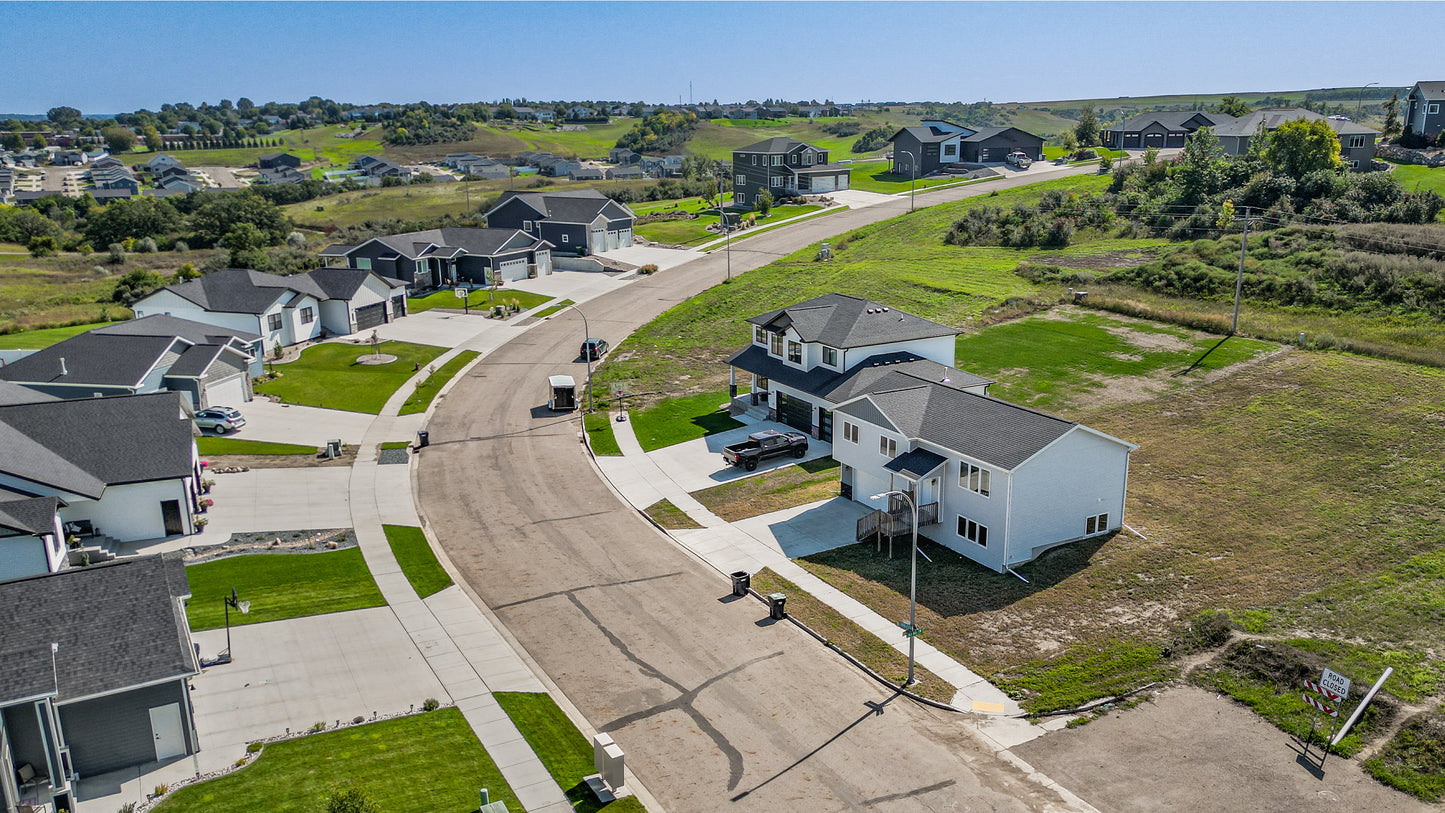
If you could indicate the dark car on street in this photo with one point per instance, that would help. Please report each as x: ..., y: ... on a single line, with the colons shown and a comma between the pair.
x: 593, y: 349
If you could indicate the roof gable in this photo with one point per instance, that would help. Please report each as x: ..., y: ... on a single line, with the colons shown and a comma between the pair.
x: 843, y: 321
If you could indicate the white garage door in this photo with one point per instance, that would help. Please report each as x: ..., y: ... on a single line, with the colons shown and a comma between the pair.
x: 626, y: 237
x: 824, y: 183
x: 227, y: 392
x: 544, y: 263
x: 513, y: 270
x: 598, y: 240
x: 612, y: 240
x: 843, y: 181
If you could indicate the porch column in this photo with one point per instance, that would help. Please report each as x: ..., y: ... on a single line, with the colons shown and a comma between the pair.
x: 732, y: 384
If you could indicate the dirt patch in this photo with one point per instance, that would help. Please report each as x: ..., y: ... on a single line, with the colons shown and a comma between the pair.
x: 278, y: 542
x: 1106, y: 261
x: 1113, y: 390
x: 279, y: 461
x: 1150, y: 341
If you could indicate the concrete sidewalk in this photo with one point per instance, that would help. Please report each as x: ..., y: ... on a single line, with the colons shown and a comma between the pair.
x: 771, y: 540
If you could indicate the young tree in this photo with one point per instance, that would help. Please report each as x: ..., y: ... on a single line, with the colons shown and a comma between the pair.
x: 1069, y: 141
x: 153, y: 138
x: 118, y: 139
x: 1392, y: 116
x: 1087, y: 130
x: 1300, y: 147
x: 1233, y: 106
x: 38, y: 142
x: 765, y: 203
x: 347, y: 798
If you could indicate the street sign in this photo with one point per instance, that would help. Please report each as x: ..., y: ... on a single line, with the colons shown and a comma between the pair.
x: 1321, y: 706
x: 1318, y: 689
x: 461, y: 292
x: 909, y: 631
x: 1335, y: 683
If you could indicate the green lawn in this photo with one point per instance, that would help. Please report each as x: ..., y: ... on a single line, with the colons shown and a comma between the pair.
x: 1416, y: 178
x: 310, y: 145
x: 786, y: 487
x: 694, y: 232
x: 425, y: 762
x: 561, y: 747
x: 427, y: 390
x: 669, y: 516
x: 41, y: 339
x: 1047, y: 361
x: 553, y: 308
x: 479, y: 299
x: 417, y: 559
x: 599, y: 434
x: 873, y: 176
x: 396, y: 444
x: 280, y: 585
x: 211, y: 445
x: 328, y: 375
x: 679, y: 419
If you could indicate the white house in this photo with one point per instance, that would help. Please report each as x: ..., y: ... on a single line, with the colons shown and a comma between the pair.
x: 283, y: 310
x: 123, y: 466
x: 1002, y: 482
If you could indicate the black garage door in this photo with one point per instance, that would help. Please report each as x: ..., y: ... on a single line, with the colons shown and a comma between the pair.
x: 795, y: 412
x: 370, y: 315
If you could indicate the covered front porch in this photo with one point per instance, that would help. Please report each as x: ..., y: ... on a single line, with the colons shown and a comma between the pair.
x: 35, y: 768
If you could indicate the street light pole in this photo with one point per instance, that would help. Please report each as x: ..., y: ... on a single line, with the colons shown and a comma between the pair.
x: 722, y: 214
x: 913, y: 182
x: 912, y: 579
x: 1360, y: 100
x: 587, y: 353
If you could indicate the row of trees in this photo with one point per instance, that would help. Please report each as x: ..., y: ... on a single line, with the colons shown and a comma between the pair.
x: 660, y: 133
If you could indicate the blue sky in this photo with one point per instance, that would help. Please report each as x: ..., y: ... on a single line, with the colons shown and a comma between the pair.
x: 111, y: 57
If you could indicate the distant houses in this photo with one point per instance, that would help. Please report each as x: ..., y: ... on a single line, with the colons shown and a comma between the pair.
x: 936, y: 145
x: 1167, y: 130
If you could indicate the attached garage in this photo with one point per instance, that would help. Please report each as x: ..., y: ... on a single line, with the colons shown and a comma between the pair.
x: 597, y: 240
x: 398, y: 305
x: 513, y: 270
x: 625, y: 237
x: 824, y: 183
x: 544, y: 262
x: 614, y: 240
x: 226, y: 392
x: 795, y: 412
x: 369, y: 316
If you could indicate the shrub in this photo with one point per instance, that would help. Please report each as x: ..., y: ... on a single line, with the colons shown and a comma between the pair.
x: 117, y: 253
x: 161, y: 790
x: 430, y: 704
x: 647, y: 269
x: 146, y: 245
x: 318, y: 726
x: 45, y: 246
x: 347, y: 798
x: 181, y: 247
x: 253, y: 747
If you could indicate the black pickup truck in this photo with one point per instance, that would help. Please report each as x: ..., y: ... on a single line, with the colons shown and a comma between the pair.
x: 761, y: 445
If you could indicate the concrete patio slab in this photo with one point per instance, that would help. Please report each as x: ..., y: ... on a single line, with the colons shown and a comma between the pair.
x: 807, y: 529
x: 284, y: 423
x: 278, y: 500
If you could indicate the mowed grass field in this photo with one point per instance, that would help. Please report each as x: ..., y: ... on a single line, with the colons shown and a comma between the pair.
x: 317, y: 145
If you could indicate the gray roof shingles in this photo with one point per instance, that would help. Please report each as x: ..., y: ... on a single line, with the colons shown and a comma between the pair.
x: 843, y: 321
x: 132, y: 600
x: 33, y: 515
x: 102, y: 360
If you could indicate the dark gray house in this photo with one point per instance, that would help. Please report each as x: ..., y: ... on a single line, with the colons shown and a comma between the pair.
x: 1160, y: 130
x: 1357, y: 142
x: 210, y: 365
x: 277, y: 160
x: 584, y: 221
x: 1425, y: 109
x: 784, y: 167
x: 449, y: 256
x: 936, y: 144
x: 74, y: 702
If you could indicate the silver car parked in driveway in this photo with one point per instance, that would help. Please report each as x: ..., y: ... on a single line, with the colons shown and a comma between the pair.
x: 220, y: 419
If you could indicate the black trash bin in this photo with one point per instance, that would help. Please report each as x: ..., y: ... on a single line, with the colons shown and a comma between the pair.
x: 741, y: 582
x: 775, y: 606
x: 423, y: 439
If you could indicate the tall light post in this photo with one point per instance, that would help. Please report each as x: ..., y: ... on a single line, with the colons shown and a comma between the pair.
x: 229, y: 602
x: 723, y: 216
x: 912, y: 630
x: 913, y: 169
x: 586, y: 353
x: 1360, y: 100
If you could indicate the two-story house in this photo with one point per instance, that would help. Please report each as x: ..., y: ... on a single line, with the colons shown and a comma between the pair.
x: 784, y: 167
x: 937, y: 144
x: 1425, y: 109
x: 996, y: 482
x: 450, y: 256
x: 583, y: 221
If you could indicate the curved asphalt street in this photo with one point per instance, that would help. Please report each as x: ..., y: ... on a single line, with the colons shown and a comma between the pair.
x: 716, y: 708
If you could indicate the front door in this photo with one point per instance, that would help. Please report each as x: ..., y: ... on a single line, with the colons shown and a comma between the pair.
x: 171, y: 513
x: 166, y: 728
x: 825, y: 425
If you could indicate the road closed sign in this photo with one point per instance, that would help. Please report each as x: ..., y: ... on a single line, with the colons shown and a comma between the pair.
x: 1335, y: 683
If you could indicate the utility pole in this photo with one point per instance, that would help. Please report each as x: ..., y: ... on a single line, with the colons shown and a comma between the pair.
x: 1239, y: 278
x: 722, y: 215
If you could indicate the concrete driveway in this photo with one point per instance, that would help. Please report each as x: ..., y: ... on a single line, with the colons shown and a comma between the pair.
x: 663, y: 258
x: 277, y: 500
x: 698, y: 464
x: 285, y: 423
x: 438, y: 328
x: 859, y: 199
x: 808, y: 529
x: 578, y: 286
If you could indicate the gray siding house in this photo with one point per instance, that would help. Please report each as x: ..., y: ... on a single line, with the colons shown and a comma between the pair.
x: 584, y: 221
x: 1165, y: 130
x: 784, y: 167
x: 450, y: 256
x: 74, y: 702
x: 1357, y: 142
x: 1425, y: 109
x: 936, y: 144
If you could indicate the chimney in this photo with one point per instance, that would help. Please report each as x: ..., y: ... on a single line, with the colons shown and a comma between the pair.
x: 63, y: 371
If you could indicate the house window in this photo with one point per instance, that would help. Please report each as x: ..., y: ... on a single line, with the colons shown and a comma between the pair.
x: 364, y: 263
x: 526, y: 225
x: 1434, y: 108
x: 274, y: 321
x: 972, y: 531
x: 566, y: 239
x: 759, y: 335
x: 308, y: 315
x: 775, y: 181
x: 830, y: 357
x: 973, y: 478
x: 1096, y: 524
x: 1354, y: 164
x: 950, y: 150
x: 1357, y: 141
x: 755, y: 160
x: 807, y: 159
x: 794, y: 162
x: 775, y: 344
x: 795, y: 352
x: 888, y: 447
x: 740, y: 180
x: 777, y: 160
x: 850, y: 432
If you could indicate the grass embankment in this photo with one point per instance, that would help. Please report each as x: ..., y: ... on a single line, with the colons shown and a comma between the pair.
x: 1414, y: 760
x: 317, y: 144
x: 43, y: 338
x: 561, y: 747
x: 681, y: 419
x: 786, y: 487
x: 599, y: 434
x: 853, y: 639
x: 553, y: 308
x: 211, y: 445
x: 417, y: 559
x: 280, y: 586
x: 428, y: 761
x: 478, y: 300
x: 1421, y: 179
x: 421, y: 399
x: 329, y: 375
x: 669, y: 516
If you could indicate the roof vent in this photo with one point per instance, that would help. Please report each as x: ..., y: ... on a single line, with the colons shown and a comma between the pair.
x: 882, y: 310
x: 63, y: 371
